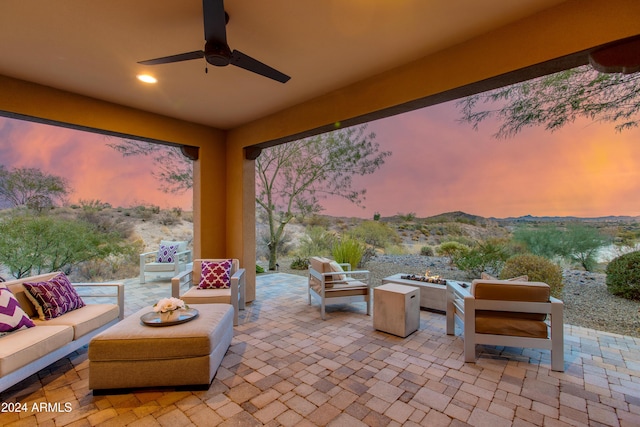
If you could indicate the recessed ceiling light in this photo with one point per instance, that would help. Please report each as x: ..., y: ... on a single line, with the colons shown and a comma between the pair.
x: 147, y: 78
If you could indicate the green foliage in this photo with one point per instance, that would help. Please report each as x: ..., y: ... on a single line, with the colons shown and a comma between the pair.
x: 299, y: 263
x: 317, y: 241
x: 451, y: 249
x: 375, y: 233
x: 582, y: 244
x: 545, y: 241
x: 555, y: 100
x: 488, y: 255
x: 32, y: 188
x: 37, y: 244
x: 426, y: 251
x: 348, y: 251
x: 537, y: 268
x: 259, y: 269
x: 376, y: 216
x: 623, y: 276
x: 411, y: 216
x: 576, y: 242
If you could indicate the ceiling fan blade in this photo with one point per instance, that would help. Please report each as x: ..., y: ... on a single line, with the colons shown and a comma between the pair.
x: 215, y: 21
x: 241, y: 60
x: 174, y: 58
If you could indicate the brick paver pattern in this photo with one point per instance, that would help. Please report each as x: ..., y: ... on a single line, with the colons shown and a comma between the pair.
x: 287, y: 367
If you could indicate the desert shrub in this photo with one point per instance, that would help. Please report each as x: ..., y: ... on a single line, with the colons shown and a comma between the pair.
x: 426, y: 251
x: 259, y: 269
x: 488, y: 255
x: 168, y: 218
x: 348, y: 250
x: 93, y: 205
x: 376, y: 216
x: 375, y: 233
x: 105, y: 222
x: 316, y: 241
x: 407, y: 217
x: 299, y: 263
x: 537, y: 268
x: 318, y: 221
x: 623, y: 276
x: 449, y: 249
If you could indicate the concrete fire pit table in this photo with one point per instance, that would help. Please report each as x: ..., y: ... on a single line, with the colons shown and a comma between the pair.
x: 433, y: 296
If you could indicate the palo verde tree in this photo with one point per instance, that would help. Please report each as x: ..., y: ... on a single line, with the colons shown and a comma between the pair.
x: 292, y: 178
x: 31, y: 187
x: 555, y: 100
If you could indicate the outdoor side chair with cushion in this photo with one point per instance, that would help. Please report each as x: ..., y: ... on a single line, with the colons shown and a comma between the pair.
x: 212, y: 281
x: 507, y: 313
x: 330, y: 283
x: 170, y: 259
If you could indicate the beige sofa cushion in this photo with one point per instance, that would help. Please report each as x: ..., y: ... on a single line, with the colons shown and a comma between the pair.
x: 206, y: 296
x: 85, y: 319
x: 20, y: 348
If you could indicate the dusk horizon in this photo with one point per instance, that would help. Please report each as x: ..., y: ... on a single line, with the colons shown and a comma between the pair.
x: 438, y: 165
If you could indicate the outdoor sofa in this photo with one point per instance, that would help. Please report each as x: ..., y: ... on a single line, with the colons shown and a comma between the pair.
x: 24, y: 352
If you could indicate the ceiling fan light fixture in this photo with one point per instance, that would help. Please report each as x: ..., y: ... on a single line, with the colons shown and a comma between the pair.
x: 146, y: 78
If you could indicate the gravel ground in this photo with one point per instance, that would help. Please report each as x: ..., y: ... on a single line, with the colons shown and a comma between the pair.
x: 587, y: 301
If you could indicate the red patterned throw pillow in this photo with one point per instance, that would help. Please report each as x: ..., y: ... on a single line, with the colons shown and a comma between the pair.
x: 54, y: 297
x: 215, y: 275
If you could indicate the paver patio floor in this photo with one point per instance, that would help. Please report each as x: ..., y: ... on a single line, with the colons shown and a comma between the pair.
x: 287, y: 367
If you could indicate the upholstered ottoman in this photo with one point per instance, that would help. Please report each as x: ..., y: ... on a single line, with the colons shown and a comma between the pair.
x: 133, y: 355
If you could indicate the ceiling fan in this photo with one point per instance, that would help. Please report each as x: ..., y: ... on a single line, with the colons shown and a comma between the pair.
x: 216, y: 50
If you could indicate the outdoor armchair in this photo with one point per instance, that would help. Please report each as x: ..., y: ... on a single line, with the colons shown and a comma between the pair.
x: 330, y: 283
x: 199, y: 291
x: 507, y: 313
x: 170, y: 259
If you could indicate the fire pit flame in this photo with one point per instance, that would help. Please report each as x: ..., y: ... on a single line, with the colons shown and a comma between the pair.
x: 427, y: 278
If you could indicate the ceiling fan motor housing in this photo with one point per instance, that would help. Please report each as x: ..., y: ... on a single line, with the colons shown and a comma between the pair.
x: 217, y: 54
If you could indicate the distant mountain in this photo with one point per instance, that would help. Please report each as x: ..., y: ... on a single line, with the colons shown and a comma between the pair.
x: 533, y: 219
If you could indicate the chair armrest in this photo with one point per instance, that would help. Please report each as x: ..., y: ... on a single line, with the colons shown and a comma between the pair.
x: 119, y: 295
x: 176, y: 282
x: 184, y: 254
x: 238, y: 281
x: 345, y: 266
x: 349, y: 276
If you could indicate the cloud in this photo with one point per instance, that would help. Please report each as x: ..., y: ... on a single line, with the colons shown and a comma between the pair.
x: 93, y: 169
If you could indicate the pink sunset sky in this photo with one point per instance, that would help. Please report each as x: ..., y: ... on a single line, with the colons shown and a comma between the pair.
x: 437, y: 165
